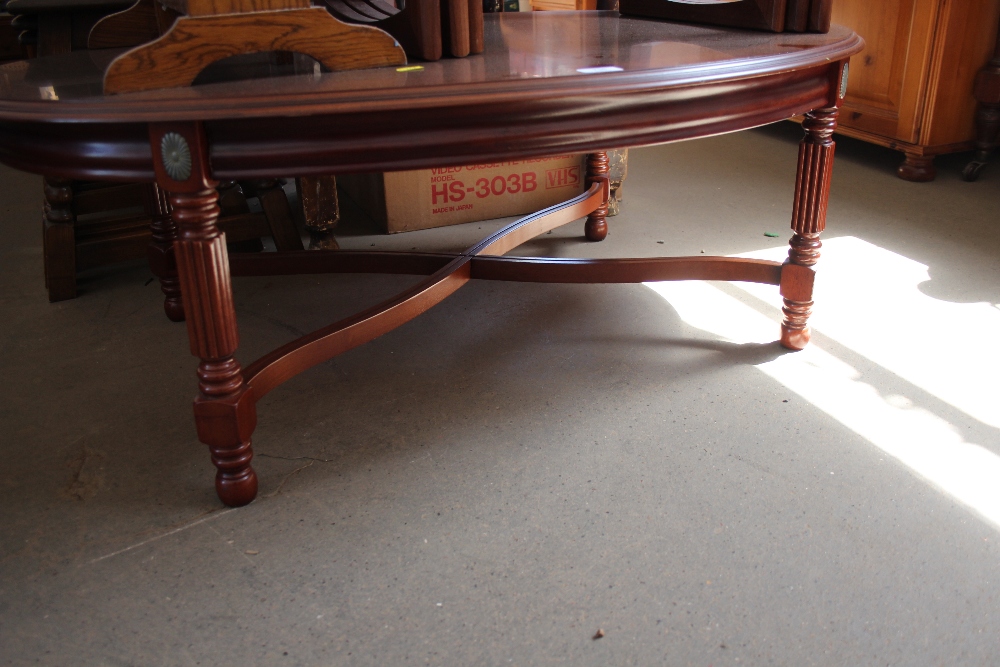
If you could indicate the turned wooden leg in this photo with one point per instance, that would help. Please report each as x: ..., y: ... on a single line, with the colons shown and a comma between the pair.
x: 321, y: 210
x: 59, y: 239
x: 987, y: 130
x: 596, y: 227
x: 279, y: 214
x: 617, y: 173
x: 233, y: 202
x: 812, y: 191
x: 160, y: 252
x: 917, y: 168
x: 225, y: 414
x: 987, y: 93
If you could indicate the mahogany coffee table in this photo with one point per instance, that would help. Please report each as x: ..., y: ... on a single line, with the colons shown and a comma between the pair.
x: 547, y: 84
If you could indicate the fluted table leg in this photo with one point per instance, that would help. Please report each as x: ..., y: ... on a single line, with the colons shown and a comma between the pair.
x: 812, y: 191
x: 225, y: 414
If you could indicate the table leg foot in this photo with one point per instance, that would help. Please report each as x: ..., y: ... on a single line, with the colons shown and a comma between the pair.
x: 226, y: 424
x: 917, y: 168
x: 797, y: 279
x: 236, y: 490
x: 596, y: 227
x: 795, y: 333
x: 595, y: 230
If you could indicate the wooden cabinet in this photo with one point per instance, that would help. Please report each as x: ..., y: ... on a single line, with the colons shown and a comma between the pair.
x: 557, y: 5
x: 911, y: 89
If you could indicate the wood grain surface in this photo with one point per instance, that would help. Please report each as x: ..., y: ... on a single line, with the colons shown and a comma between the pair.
x: 214, y: 7
x: 755, y: 14
x: 193, y: 43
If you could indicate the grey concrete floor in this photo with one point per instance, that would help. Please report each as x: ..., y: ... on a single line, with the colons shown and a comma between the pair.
x: 523, y: 465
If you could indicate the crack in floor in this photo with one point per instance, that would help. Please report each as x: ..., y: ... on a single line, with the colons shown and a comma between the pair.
x: 295, y: 458
x: 287, y: 477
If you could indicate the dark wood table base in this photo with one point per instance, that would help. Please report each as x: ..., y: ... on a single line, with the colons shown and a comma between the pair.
x: 225, y: 410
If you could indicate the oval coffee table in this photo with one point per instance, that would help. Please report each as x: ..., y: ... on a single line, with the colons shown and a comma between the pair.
x: 546, y: 84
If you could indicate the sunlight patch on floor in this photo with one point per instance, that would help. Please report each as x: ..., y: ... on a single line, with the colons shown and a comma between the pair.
x: 922, y: 351
x: 868, y: 300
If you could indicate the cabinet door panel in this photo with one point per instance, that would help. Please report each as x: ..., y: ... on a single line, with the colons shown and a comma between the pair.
x: 968, y: 36
x: 888, y: 77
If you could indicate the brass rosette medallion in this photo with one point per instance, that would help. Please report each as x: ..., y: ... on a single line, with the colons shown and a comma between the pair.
x: 176, y: 156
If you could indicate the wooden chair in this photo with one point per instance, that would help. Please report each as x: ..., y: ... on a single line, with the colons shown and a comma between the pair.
x: 10, y: 45
x: 87, y: 225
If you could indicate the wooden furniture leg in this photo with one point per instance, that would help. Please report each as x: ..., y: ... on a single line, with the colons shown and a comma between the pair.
x: 812, y: 191
x: 279, y: 215
x: 162, y: 261
x: 225, y: 415
x: 321, y: 208
x: 987, y: 93
x: 59, y: 239
x: 596, y: 227
x: 917, y: 168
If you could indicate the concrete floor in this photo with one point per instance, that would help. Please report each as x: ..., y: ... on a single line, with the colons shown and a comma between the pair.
x: 523, y: 465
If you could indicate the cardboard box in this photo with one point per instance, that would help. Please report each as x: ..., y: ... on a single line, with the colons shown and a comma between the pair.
x: 409, y: 200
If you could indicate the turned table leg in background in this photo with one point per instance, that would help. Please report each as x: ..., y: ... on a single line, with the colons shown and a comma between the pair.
x: 225, y: 414
x: 160, y: 253
x: 812, y: 191
x: 596, y: 227
x: 279, y: 216
x: 987, y: 93
x: 59, y: 239
x: 321, y: 209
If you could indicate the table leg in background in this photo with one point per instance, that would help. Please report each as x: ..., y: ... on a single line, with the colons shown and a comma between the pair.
x: 596, y: 227
x: 160, y: 253
x: 60, y: 239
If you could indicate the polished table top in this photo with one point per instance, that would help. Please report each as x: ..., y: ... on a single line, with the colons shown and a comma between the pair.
x: 547, y: 83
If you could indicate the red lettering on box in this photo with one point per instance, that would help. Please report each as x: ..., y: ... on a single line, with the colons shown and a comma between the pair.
x: 436, y: 192
x: 562, y: 178
x: 529, y: 182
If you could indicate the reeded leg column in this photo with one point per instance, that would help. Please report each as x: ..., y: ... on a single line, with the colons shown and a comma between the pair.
x: 812, y: 191
x: 225, y: 414
x: 596, y: 227
x: 160, y: 253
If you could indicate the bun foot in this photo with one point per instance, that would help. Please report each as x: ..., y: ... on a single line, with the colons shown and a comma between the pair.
x: 917, y: 168
x: 795, y: 339
x: 237, y: 491
x: 595, y: 230
x: 174, y: 308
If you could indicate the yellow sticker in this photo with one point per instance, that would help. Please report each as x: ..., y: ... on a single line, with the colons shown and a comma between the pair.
x: 410, y: 68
